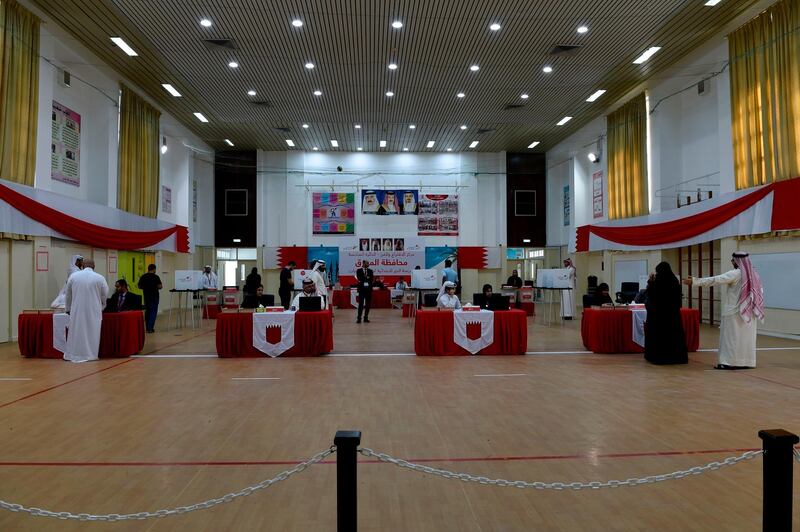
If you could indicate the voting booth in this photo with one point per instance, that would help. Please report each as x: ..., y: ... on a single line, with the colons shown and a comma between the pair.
x: 188, y: 280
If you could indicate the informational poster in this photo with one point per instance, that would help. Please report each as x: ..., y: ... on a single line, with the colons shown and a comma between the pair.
x: 333, y: 213
x: 566, y: 205
x: 389, y: 202
x: 166, y: 199
x: 381, y: 262
x: 597, y: 194
x: 194, y: 200
x: 65, y: 149
x: 438, y: 215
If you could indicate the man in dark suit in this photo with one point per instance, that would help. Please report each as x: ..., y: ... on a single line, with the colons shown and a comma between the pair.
x: 122, y: 300
x: 365, y: 279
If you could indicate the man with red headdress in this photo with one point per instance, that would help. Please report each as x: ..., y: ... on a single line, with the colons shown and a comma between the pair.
x: 742, y: 303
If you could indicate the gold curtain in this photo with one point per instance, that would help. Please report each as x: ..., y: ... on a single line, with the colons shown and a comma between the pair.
x: 765, y: 96
x: 138, y: 155
x: 627, y: 160
x: 19, y: 92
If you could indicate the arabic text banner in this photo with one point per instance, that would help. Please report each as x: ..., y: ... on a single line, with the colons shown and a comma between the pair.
x: 381, y: 262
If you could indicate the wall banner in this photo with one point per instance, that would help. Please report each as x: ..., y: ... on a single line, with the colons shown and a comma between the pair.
x: 65, y: 146
x: 438, y: 215
x: 333, y: 213
x: 597, y: 195
x: 381, y: 262
x: 389, y: 202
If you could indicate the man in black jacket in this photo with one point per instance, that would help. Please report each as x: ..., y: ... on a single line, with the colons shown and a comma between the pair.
x: 122, y: 300
x: 365, y: 281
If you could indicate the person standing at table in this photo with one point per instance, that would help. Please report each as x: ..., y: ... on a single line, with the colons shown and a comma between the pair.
x: 209, y: 279
x: 286, y: 284
x: 743, y: 304
x: 76, y: 265
x: 366, y: 279
x: 122, y: 300
x: 449, y: 274
x: 664, y: 339
x: 568, y: 296
x: 515, y: 280
x: 86, y: 297
x: 150, y: 284
x: 447, y: 297
x: 252, y: 282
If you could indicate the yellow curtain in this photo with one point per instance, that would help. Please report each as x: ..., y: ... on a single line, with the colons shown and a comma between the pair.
x: 627, y: 160
x: 19, y: 92
x: 765, y: 96
x: 138, y: 155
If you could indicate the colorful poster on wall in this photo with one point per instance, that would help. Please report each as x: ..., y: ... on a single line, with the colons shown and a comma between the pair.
x: 389, y: 202
x: 597, y: 194
x: 166, y: 199
x: 333, y: 213
x: 65, y: 146
x: 438, y: 215
x: 566, y: 205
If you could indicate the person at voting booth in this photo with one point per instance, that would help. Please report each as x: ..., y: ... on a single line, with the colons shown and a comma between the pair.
x: 309, y: 290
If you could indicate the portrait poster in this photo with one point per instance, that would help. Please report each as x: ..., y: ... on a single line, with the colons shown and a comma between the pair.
x: 166, y: 199
x: 65, y: 146
x: 566, y: 205
x: 438, y: 215
x: 389, y: 202
x: 597, y: 195
x: 333, y: 213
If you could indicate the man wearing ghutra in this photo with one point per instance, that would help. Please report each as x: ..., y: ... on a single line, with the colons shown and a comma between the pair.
x: 389, y: 205
x: 568, y: 296
x: 743, y: 303
x: 409, y: 202
x: 75, y: 265
x: 447, y: 297
x: 369, y: 203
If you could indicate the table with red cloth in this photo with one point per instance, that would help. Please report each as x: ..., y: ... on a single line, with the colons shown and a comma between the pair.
x: 313, y: 335
x: 121, y: 335
x: 381, y: 298
x: 609, y: 330
x: 433, y: 334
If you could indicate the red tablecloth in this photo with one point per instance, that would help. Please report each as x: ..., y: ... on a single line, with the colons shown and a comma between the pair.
x: 529, y: 307
x: 433, y: 334
x: 611, y: 330
x: 121, y: 335
x: 380, y: 299
x: 313, y: 335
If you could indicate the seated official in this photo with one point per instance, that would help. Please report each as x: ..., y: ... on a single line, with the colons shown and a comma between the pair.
x: 378, y: 283
x: 447, y: 298
x: 258, y: 299
x: 122, y: 300
x: 641, y: 295
x: 401, y: 285
x: 309, y: 290
x: 487, y: 296
x: 515, y: 280
x: 601, y: 296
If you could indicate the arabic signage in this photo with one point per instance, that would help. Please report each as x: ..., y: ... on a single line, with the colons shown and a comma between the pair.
x: 381, y: 262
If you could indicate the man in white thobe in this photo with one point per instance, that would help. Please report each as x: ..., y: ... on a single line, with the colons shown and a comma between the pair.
x: 87, y: 292
x: 309, y: 290
x: 743, y: 301
x: 317, y: 275
x: 76, y: 265
x: 568, y: 296
x: 447, y: 296
x: 209, y: 279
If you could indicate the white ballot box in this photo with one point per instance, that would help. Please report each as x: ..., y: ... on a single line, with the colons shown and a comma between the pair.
x: 188, y: 280
x: 426, y: 279
x: 553, y: 278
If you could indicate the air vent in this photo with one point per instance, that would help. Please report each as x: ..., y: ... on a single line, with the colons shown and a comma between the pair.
x: 281, y: 129
x: 560, y: 49
x: 220, y: 43
x: 262, y: 103
x: 512, y: 106
x: 482, y: 131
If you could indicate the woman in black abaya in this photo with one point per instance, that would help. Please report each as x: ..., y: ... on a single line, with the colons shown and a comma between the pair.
x: 665, y: 340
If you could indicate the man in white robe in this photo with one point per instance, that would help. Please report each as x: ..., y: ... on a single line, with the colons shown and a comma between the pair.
x: 447, y: 297
x: 568, y: 296
x: 309, y: 290
x: 209, y: 279
x: 317, y: 276
x: 742, y: 302
x: 75, y: 265
x: 87, y: 292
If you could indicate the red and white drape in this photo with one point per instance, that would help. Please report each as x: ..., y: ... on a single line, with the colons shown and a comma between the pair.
x: 473, y: 330
x: 273, y: 332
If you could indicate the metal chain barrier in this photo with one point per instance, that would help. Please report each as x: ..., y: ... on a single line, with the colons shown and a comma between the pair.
x: 465, y: 477
x: 38, y: 512
x: 796, y: 451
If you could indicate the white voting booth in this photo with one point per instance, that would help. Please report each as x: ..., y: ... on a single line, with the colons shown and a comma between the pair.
x: 552, y: 281
x: 425, y: 281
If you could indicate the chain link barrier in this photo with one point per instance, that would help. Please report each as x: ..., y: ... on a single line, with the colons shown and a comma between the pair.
x: 465, y: 477
x: 796, y: 451
x: 38, y: 512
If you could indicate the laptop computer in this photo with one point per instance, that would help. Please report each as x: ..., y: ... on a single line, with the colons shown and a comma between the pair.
x: 478, y: 299
x: 310, y: 304
x: 499, y: 302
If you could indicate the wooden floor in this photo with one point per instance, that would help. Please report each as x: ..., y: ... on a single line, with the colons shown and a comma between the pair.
x: 119, y: 436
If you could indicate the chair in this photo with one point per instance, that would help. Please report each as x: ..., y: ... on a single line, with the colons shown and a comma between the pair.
x: 587, y: 301
x: 627, y: 292
x: 429, y: 300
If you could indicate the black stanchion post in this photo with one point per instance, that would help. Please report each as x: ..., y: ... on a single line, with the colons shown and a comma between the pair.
x: 778, y: 468
x: 347, y: 442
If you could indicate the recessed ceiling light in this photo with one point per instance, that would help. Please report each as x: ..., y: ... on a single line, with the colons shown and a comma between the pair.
x: 389, y: 94
x: 430, y: 143
x: 233, y: 64
x: 315, y: 148
x: 392, y: 66
x: 646, y: 55
x: 495, y: 26
x: 334, y: 143
x: 309, y: 65
x: 124, y: 46
x: 582, y: 29
x: 464, y: 126
x: 290, y: 143
x: 460, y: 94
x: 564, y: 120
x: 474, y: 68
x: 383, y: 143
x: 170, y: 89
x: 297, y: 23
x: 533, y: 144
x: 713, y: 2
x: 526, y: 240
x: 524, y: 96
x: 237, y: 240
x: 305, y: 126
x: 412, y: 126
x: 358, y: 126
x: 595, y: 95
x: 228, y: 142
x: 360, y: 148
x: 405, y: 149
x: 200, y: 117
x: 449, y: 149
x: 397, y: 24
x: 251, y: 93
x: 205, y: 23
x: 547, y: 69
x: 474, y: 144
x: 317, y: 93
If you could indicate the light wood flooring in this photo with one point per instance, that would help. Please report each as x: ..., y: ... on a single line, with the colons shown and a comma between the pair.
x: 127, y: 435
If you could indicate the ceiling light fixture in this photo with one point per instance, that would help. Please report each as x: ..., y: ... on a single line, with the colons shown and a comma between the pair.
x: 463, y: 127
x: 564, y: 120
x: 533, y: 144
x: 251, y: 92
x: 309, y: 65
x: 382, y: 143
x: 449, y: 149
x: 315, y: 148
x: 164, y: 147
x: 392, y: 66
x: 524, y: 96
x: 170, y: 89
x: 430, y: 143
x: 389, y: 94
x: 317, y: 93
x: 334, y: 143
x: 582, y: 29
x: 237, y: 240
x: 297, y: 23
x: 305, y: 126
x: 474, y: 144
x: 358, y: 126
x: 474, y: 68
x: 205, y: 23
x: 124, y: 46
x: 233, y: 64
x: 397, y: 24
x: 593, y: 157
x: 200, y: 117
x: 547, y: 69
x: 712, y: 3
x: 412, y: 126
x: 526, y: 240
x: 595, y: 95
x: 646, y: 55
x: 495, y: 26
x: 460, y: 95
x: 290, y: 143
x: 405, y: 149
x: 360, y: 148
x: 228, y: 142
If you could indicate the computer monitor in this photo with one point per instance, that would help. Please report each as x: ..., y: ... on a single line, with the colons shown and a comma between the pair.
x: 478, y: 299
x: 310, y: 304
x: 499, y: 302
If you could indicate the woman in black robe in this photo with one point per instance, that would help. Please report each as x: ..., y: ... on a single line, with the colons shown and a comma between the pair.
x: 665, y: 340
